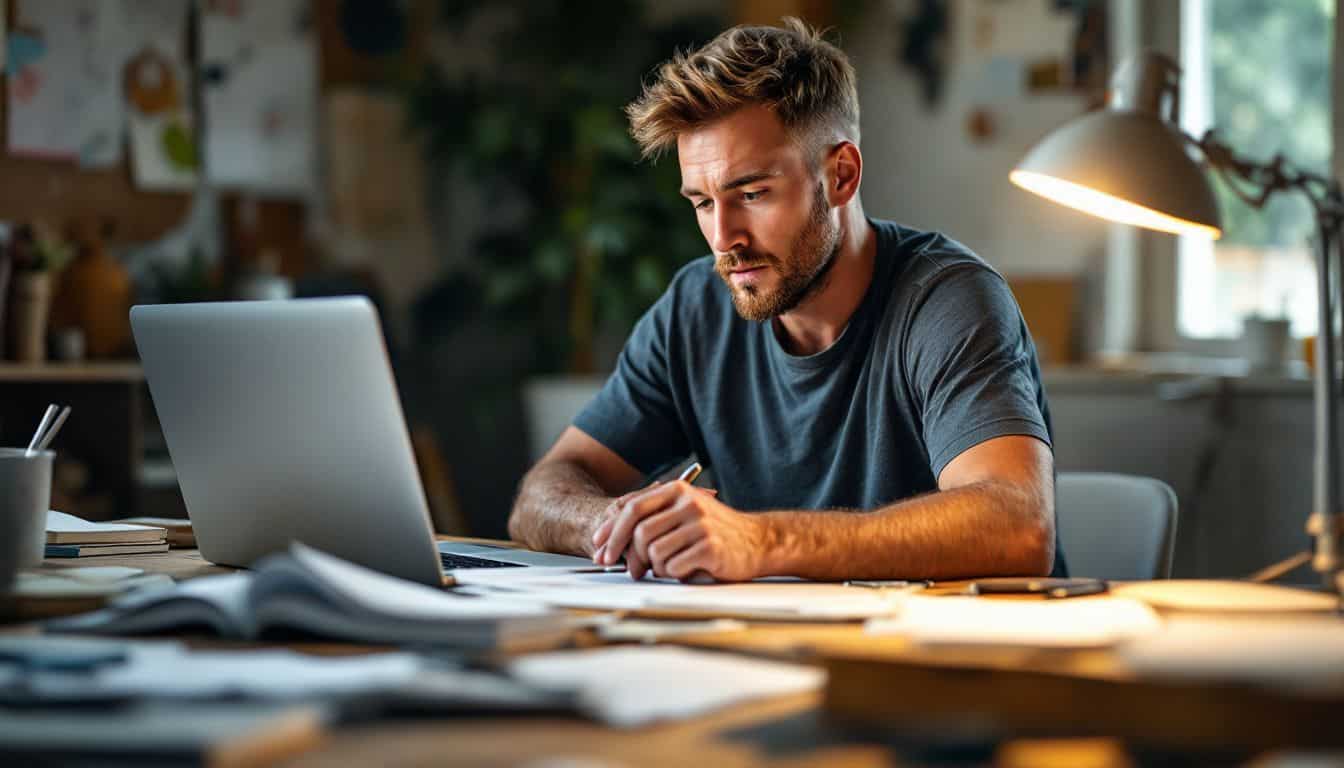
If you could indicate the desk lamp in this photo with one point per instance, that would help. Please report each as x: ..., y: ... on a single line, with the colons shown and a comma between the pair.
x: 1132, y: 164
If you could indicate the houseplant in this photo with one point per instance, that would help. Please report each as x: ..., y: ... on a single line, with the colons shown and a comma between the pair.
x: 597, y: 233
x: 592, y: 234
x: 38, y: 252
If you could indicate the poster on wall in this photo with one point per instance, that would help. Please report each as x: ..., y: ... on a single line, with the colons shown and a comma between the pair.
x: 44, y: 73
x: 156, y: 88
x: 69, y: 80
x: 260, y: 95
x: 100, y: 126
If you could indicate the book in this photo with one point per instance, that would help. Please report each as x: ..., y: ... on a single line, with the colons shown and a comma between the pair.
x: 68, y: 529
x: 86, y: 550
x: 180, y: 534
x: 309, y: 591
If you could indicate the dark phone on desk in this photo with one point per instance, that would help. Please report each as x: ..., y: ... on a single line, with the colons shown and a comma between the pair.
x: 1047, y: 587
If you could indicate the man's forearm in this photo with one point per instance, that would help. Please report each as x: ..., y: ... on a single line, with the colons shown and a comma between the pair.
x: 985, y: 529
x: 558, y: 507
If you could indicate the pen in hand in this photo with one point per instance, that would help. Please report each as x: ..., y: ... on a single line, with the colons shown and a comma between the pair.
x: 690, y: 473
x: 687, y: 475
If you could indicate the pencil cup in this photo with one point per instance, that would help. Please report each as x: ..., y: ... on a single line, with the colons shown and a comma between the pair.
x: 25, y: 496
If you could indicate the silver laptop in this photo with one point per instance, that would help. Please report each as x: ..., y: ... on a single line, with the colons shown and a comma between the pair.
x: 283, y: 423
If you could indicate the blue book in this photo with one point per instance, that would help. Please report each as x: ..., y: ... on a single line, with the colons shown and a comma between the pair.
x: 87, y: 550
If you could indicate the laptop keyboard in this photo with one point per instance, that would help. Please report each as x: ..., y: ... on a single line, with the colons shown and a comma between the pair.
x: 451, y: 561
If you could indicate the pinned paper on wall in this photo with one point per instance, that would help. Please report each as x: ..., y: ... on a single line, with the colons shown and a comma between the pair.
x: 156, y: 83
x: 1000, y: 79
x: 44, y: 73
x: 67, y: 61
x: 100, y: 128
x: 260, y: 95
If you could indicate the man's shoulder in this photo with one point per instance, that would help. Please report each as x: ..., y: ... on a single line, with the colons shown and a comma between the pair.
x: 923, y: 257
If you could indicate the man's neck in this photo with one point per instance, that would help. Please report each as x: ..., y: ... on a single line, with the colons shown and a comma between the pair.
x: 815, y: 324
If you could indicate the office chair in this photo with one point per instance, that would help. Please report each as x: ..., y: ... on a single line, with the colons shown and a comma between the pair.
x: 1116, y: 526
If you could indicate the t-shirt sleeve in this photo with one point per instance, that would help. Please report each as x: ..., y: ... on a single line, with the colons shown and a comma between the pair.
x: 972, y: 366
x: 635, y: 412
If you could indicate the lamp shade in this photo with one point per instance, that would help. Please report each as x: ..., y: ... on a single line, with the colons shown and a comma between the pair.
x: 1125, y: 166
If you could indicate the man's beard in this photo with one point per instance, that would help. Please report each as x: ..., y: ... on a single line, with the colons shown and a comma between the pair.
x: 802, y: 273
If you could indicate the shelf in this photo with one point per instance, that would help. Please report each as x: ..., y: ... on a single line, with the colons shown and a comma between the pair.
x: 82, y: 371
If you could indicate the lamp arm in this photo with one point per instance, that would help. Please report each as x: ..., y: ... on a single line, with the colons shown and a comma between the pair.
x: 1265, y: 179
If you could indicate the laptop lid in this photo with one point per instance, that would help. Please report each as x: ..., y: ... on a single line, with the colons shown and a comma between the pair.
x: 283, y: 422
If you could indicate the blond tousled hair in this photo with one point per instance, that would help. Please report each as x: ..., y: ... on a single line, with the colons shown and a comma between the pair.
x: 806, y: 81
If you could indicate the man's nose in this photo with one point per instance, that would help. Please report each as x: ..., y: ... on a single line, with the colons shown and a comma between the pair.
x: 728, y: 234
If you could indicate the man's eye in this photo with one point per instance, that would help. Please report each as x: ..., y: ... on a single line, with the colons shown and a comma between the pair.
x: 704, y: 205
x: 750, y: 196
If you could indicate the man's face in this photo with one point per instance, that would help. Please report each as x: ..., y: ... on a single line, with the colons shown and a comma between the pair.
x: 761, y: 208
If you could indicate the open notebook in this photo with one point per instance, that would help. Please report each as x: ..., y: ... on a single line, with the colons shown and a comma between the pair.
x: 64, y: 528
x: 309, y: 591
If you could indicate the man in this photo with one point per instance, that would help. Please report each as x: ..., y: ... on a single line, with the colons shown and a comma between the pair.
x: 866, y: 395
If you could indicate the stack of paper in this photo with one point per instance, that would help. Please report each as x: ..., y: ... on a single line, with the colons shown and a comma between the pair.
x: 179, y: 529
x: 70, y: 536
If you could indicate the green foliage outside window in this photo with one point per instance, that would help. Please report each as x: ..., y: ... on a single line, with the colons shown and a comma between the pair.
x: 1270, y: 65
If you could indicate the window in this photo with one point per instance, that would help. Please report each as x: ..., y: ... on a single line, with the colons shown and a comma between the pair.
x: 1259, y: 72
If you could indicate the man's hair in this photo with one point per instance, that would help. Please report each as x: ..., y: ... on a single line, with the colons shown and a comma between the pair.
x: 807, y: 82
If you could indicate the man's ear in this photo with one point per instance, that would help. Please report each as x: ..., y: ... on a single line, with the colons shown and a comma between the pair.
x: 845, y: 171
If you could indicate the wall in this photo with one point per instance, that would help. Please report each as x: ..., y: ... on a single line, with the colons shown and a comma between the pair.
x: 1257, y: 442
x: 924, y: 170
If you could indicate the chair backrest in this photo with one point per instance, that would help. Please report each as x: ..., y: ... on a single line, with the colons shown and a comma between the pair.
x: 1116, y: 526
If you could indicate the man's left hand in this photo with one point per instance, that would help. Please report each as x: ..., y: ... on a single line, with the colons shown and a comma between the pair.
x: 678, y: 530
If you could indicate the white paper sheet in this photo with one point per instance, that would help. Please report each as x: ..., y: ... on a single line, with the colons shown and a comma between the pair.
x: 389, y: 595
x: 797, y: 600
x: 61, y: 522
x: 43, y: 88
x: 774, y: 599
x: 628, y: 687
x: 101, y: 130
x: 1069, y: 623
x: 262, y: 109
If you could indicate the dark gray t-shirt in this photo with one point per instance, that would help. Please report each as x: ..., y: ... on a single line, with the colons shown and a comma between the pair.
x: 935, y: 360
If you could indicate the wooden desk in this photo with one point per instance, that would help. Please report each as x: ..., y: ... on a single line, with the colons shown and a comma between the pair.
x: 785, y: 731
x: 795, y: 731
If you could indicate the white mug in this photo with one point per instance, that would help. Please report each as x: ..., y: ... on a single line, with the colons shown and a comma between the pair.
x: 25, y: 496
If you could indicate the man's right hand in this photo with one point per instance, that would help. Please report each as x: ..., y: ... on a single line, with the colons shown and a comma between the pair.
x: 602, y: 529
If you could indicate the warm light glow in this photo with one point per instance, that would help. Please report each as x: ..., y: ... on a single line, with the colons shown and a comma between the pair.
x: 1108, y: 207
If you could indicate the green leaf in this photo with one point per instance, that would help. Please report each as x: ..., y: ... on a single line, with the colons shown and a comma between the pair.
x: 553, y: 260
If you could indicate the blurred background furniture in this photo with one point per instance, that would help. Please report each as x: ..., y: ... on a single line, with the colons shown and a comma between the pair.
x: 1115, y: 526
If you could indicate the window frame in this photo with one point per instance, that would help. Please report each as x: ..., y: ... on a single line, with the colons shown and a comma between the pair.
x: 1150, y: 261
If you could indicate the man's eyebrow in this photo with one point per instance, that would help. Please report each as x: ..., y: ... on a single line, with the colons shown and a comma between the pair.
x: 740, y: 181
